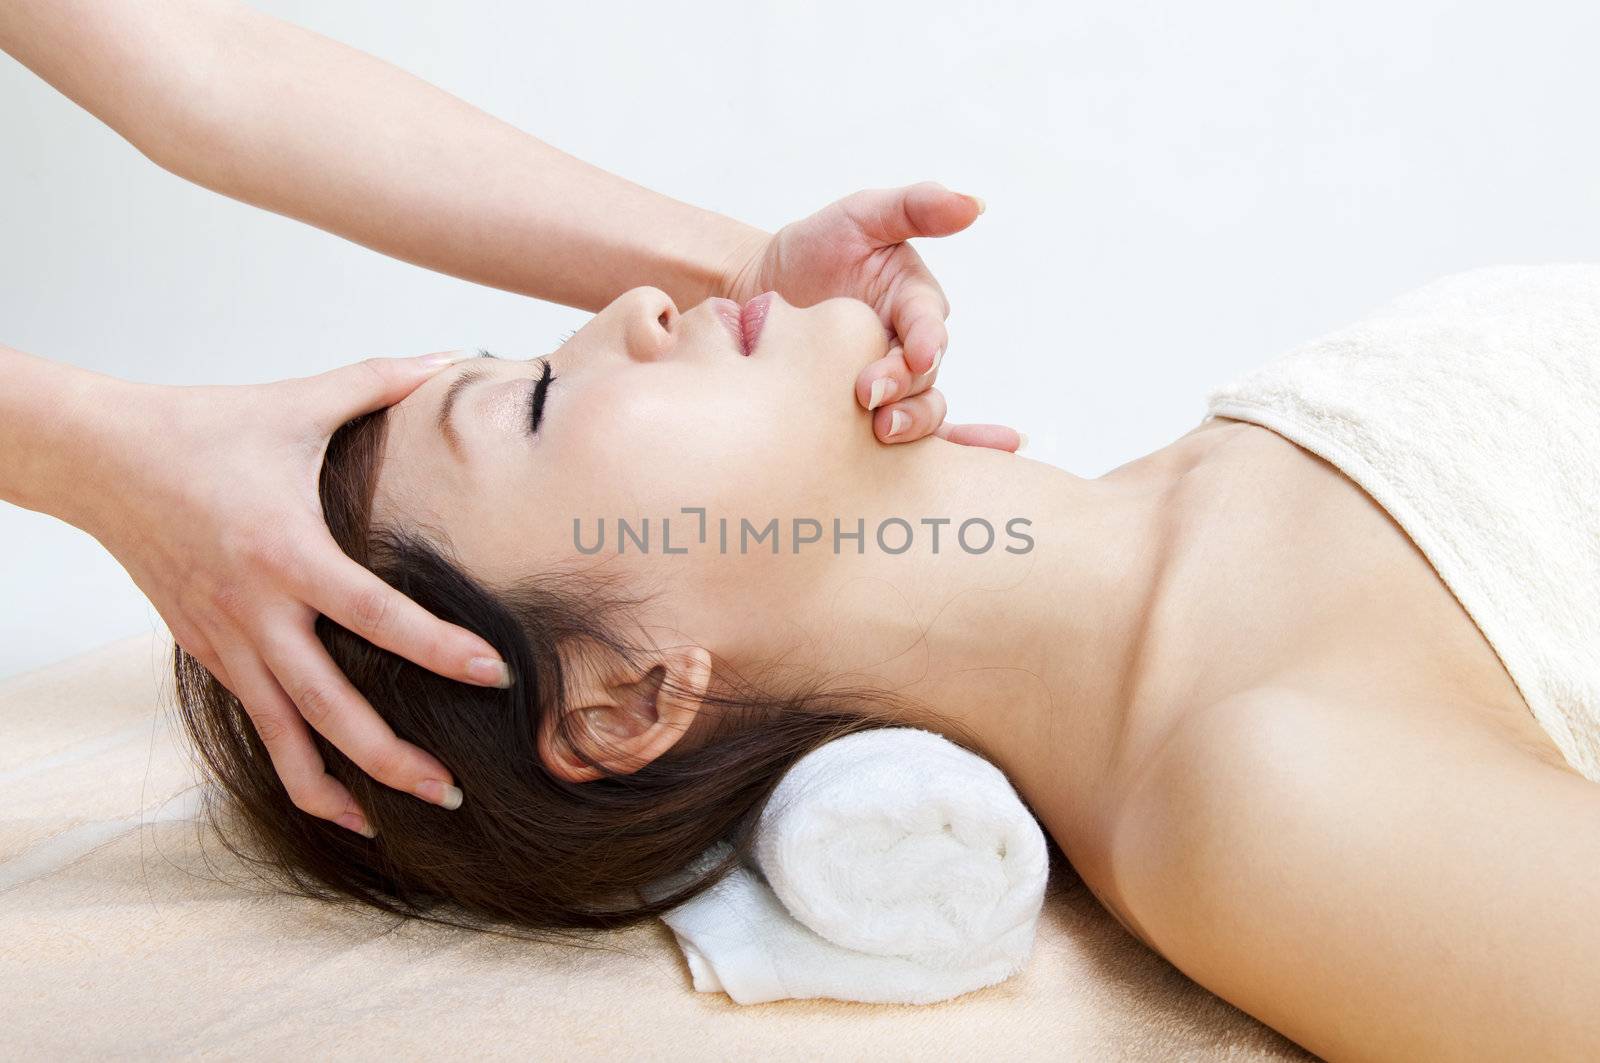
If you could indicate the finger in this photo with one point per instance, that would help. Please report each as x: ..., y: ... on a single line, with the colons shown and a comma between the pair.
x: 357, y: 600
x: 884, y: 381
x: 212, y: 662
x: 352, y: 390
x: 910, y: 419
x: 992, y: 436
x: 918, y: 319
x: 329, y: 703
x: 288, y: 742
x: 198, y: 647
x: 893, y: 215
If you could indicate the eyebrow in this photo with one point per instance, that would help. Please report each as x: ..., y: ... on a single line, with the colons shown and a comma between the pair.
x: 447, y: 406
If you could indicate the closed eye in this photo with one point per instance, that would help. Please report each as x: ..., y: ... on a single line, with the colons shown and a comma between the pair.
x: 536, y: 400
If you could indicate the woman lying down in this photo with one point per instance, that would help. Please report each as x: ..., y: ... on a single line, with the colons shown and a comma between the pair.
x: 1309, y: 697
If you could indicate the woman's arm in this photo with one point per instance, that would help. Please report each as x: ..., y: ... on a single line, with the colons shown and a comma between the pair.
x: 208, y: 497
x: 43, y: 409
x: 282, y: 118
x: 1374, y: 884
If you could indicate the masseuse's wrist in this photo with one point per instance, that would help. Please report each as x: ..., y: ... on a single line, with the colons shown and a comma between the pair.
x: 704, y: 254
x: 47, y: 433
x: 106, y: 428
x: 687, y: 252
x: 744, y: 248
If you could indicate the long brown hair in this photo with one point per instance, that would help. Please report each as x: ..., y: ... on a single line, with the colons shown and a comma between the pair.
x: 527, y: 851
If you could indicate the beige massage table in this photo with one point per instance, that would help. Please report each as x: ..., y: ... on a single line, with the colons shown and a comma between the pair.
x: 125, y: 932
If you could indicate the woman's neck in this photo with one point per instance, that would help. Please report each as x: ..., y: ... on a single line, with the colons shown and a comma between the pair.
x: 1032, y: 647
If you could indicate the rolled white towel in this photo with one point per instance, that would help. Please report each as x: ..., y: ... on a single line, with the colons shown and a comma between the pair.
x: 892, y: 866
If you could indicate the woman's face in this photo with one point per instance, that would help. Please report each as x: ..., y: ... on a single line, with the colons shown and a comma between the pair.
x: 644, y: 413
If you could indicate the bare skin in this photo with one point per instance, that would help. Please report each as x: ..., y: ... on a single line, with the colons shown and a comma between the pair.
x: 1342, y: 816
x: 286, y: 120
x: 1236, y: 694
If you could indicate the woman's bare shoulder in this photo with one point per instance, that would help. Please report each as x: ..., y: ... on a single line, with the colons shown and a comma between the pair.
x: 1277, y: 743
x: 1313, y: 860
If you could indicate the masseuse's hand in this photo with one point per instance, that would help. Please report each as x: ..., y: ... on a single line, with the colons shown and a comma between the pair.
x: 216, y: 516
x: 857, y: 247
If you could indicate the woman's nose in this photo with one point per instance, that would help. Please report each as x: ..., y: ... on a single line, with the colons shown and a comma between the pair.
x: 650, y: 321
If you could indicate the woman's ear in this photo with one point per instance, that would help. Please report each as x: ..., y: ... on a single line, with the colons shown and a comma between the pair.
x: 622, y: 716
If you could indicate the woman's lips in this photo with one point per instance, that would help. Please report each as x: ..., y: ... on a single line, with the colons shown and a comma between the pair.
x: 731, y: 314
x: 752, y: 318
x: 744, y: 322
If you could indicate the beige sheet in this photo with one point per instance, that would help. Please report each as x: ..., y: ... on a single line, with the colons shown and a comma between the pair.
x: 117, y: 939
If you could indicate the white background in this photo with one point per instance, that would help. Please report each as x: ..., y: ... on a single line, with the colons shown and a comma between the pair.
x: 1176, y: 193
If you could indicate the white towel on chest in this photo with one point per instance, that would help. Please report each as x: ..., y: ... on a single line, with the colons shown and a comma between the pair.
x: 892, y: 866
x: 1470, y: 410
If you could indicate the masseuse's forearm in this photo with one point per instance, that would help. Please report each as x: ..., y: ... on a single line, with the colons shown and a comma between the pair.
x: 282, y: 118
x: 50, y: 421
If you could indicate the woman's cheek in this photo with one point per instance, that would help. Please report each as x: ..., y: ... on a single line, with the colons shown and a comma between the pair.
x: 637, y: 424
x: 722, y: 442
x: 605, y: 424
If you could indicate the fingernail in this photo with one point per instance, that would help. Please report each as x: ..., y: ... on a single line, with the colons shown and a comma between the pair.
x: 489, y: 672
x: 440, y: 793
x: 883, y: 389
x: 897, y: 422
x: 441, y: 359
x: 982, y: 206
x: 354, y: 822
x: 1022, y: 442
x: 938, y: 356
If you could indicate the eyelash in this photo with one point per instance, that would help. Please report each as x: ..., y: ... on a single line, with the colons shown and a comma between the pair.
x: 536, y: 402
